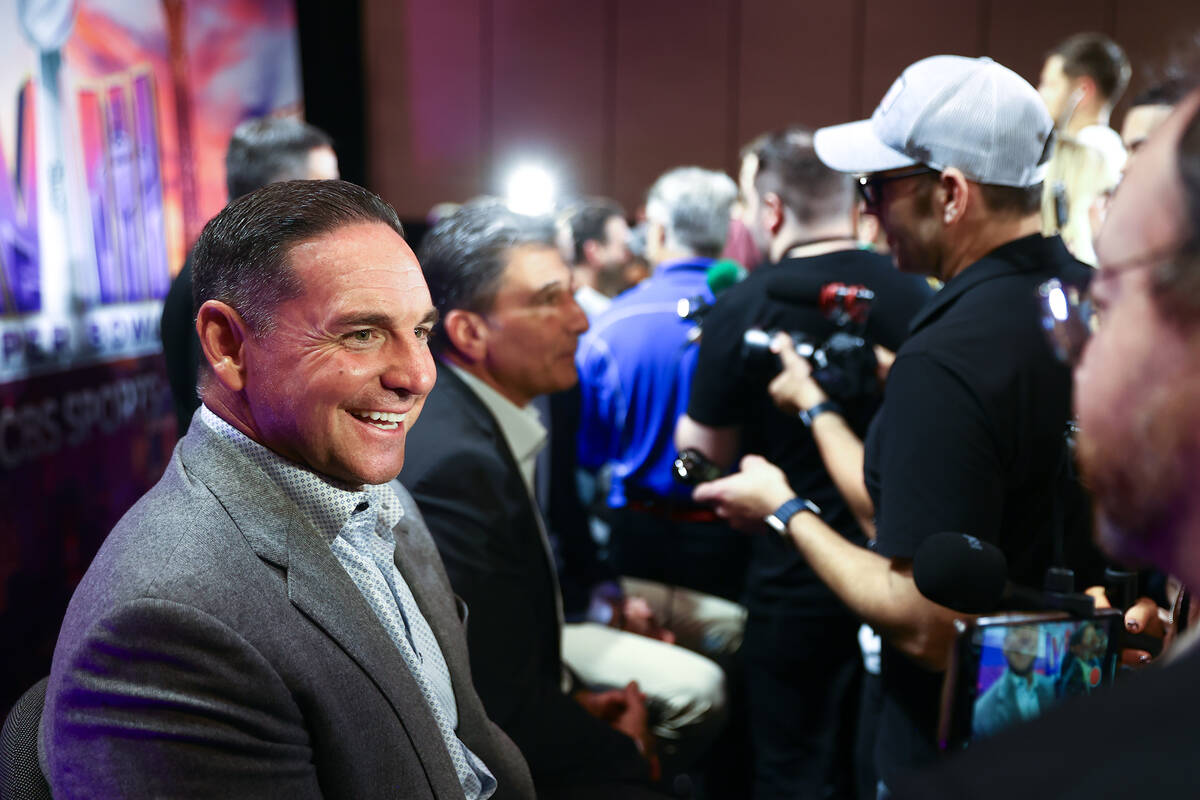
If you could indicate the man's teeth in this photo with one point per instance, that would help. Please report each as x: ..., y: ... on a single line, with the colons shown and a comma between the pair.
x: 386, y: 420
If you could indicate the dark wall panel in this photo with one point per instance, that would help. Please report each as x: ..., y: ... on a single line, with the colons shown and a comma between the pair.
x: 550, y: 90
x: 613, y: 92
x: 425, y: 123
x: 897, y: 34
x: 1019, y: 32
x: 799, y: 64
x: 1150, y: 29
x: 673, y: 102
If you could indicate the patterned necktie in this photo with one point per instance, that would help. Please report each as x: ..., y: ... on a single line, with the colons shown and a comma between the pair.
x: 371, y: 565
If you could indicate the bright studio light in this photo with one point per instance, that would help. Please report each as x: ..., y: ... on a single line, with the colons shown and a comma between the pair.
x: 530, y: 190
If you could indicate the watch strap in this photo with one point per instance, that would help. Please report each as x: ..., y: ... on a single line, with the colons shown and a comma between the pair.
x: 783, y: 515
x: 808, y: 415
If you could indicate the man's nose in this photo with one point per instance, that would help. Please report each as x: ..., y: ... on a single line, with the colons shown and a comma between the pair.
x: 577, y: 321
x: 410, y: 368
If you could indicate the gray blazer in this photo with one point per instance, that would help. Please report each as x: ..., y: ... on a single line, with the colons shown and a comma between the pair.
x: 217, y: 647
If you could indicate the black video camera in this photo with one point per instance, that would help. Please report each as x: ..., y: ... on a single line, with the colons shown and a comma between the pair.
x: 843, y: 364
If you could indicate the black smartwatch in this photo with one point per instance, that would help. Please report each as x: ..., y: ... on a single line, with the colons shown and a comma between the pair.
x: 808, y: 415
x: 782, y: 516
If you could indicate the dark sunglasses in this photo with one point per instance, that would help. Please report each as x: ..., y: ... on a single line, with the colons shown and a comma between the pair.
x: 870, y: 186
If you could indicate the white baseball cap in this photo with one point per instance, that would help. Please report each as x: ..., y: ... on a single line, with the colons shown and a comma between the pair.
x: 949, y: 111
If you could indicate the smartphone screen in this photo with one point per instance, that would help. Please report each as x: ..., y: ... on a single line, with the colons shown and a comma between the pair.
x: 1014, y: 668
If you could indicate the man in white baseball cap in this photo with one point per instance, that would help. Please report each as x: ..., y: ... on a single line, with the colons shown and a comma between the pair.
x: 976, y: 126
x: 970, y: 435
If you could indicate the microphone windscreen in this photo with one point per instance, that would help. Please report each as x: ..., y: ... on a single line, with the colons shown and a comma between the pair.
x: 960, y: 572
x: 796, y: 286
x: 723, y: 274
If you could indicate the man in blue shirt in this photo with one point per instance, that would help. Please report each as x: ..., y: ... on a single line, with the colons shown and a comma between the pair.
x: 635, y: 369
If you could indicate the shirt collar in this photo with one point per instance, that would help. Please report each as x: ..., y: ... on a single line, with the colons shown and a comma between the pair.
x: 522, y: 427
x: 695, y: 264
x: 327, y: 504
x: 1018, y: 682
x: 1025, y: 254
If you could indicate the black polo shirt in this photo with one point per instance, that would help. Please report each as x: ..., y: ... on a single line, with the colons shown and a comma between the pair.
x: 970, y: 439
x: 729, y: 389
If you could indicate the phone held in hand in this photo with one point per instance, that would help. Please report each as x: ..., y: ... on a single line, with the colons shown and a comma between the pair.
x: 1010, y: 668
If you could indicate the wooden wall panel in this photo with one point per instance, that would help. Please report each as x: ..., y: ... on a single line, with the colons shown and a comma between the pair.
x: 1150, y: 30
x: 614, y: 92
x: 426, y: 129
x: 550, y: 91
x: 673, y: 101
x: 799, y: 64
x: 1019, y: 32
x: 897, y: 34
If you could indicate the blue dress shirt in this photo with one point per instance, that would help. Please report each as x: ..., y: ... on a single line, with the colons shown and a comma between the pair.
x: 635, y: 373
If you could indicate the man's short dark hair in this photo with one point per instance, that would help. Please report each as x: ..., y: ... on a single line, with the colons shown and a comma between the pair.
x: 588, y: 223
x: 1099, y: 58
x: 1012, y: 200
x: 269, y: 149
x: 787, y: 166
x: 465, y: 254
x: 242, y: 255
x: 1020, y: 201
x: 1167, y: 93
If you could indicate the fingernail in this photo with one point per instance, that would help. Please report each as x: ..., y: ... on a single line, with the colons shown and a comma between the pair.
x: 1132, y: 625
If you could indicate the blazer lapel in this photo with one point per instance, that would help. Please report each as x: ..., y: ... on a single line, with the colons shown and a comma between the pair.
x: 449, y: 381
x: 319, y: 588
x: 418, y: 560
x: 421, y: 574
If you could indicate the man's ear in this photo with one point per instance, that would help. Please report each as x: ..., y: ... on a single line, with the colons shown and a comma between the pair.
x: 223, y: 334
x: 774, y: 212
x: 467, y: 333
x: 656, y: 236
x: 591, y: 252
x: 1086, y: 86
x: 955, y: 192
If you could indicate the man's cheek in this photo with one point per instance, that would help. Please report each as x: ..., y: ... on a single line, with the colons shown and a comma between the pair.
x: 414, y: 414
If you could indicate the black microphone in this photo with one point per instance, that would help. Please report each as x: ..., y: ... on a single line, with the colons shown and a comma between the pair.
x: 961, y: 572
x: 968, y: 575
x: 965, y: 573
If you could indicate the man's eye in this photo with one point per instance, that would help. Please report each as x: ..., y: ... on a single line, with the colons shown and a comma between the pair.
x: 363, y: 336
x: 423, y: 333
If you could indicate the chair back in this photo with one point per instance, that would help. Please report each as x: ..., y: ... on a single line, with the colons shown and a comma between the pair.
x: 21, y: 775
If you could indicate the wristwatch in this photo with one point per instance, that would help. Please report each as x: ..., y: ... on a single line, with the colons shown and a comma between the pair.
x: 782, y: 515
x: 808, y: 415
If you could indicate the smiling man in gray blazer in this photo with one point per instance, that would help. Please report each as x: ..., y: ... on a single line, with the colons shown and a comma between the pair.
x: 272, y: 619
